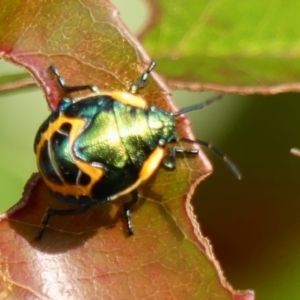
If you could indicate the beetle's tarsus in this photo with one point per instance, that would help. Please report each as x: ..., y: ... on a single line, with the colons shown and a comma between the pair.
x: 143, y: 80
x: 70, y: 89
x: 127, y: 207
x: 170, y: 162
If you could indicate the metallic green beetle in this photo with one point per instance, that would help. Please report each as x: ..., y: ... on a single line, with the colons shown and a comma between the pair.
x: 94, y: 149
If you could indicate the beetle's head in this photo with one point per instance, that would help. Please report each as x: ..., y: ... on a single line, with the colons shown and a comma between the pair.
x: 162, y: 124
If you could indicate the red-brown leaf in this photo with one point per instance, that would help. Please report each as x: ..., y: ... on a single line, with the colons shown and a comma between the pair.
x: 90, y: 256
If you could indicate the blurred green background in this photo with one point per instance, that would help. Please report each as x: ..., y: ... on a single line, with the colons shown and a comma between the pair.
x: 254, y: 224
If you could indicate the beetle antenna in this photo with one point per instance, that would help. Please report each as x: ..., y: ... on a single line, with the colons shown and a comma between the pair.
x: 227, y: 161
x: 197, y: 106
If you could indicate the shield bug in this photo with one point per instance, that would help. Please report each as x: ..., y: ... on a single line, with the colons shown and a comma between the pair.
x: 99, y: 147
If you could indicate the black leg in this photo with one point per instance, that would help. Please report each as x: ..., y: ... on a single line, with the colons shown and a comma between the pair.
x: 143, y: 80
x: 69, y: 89
x: 127, y: 206
x: 56, y: 212
x: 170, y: 162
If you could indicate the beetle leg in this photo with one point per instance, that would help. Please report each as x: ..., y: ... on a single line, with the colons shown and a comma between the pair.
x: 56, y: 212
x: 69, y: 89
x: 170, y: 162
x: 143, y: 80
x: 127, y: 206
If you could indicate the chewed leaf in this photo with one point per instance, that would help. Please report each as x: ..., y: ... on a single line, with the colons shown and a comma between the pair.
x: 90, y: 256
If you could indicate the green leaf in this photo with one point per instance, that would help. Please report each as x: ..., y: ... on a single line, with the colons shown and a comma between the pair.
x: 227, y: 45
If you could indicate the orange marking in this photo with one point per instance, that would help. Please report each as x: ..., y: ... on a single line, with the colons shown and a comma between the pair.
x: 149, y: 167
x: 123, y: 97
x: 152, y: 163
x: 130, y: 99
x: 92, y: 171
